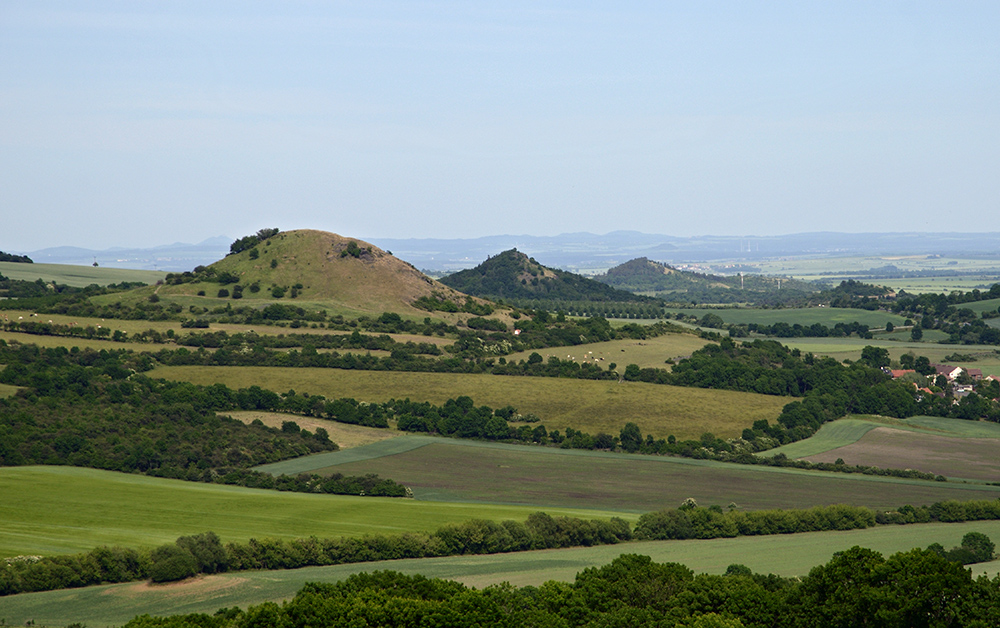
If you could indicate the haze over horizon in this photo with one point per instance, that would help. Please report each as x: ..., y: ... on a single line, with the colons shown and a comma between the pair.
x: 140, y: 125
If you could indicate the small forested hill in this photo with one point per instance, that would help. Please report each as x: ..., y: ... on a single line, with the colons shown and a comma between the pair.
x: 310, y: 266
x: 512, y: 275
x: 645, y: 275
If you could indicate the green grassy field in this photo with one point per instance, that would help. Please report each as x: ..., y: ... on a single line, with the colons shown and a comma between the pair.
x: 828, y: 316
x: 7, y: 390
x: 786, y: 555
x: 77, y: 276
x: 591, y: 406
x: 105, y: 508
x: 651, y: 353
x: 472, y: 471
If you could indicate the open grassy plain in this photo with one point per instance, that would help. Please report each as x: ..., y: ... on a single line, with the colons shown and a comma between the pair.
x: 77, y: 276
x: 591, y: 406
x: 106, y: 508
x: 452, y: 470
x: 786, y: 555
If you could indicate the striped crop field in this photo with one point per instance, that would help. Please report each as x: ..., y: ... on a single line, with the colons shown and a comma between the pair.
x: 950, y: 447
x: 452, y: 470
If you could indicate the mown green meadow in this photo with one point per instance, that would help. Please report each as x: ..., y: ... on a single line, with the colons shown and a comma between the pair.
x: 58, y: 510
x: 785, y: 555
x: 77, y: 276
x: 591, y: 406
x: 452, y: 470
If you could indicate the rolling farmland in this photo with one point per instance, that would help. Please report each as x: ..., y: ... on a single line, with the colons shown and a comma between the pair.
x: 591, y: 406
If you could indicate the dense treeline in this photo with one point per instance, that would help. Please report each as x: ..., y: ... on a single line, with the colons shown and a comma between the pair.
x: 857, y: 587
x: 22, y: 294
x: 91, y: 409
x: 12, y: 257
x: 816, y: 330
x: 206, y: 554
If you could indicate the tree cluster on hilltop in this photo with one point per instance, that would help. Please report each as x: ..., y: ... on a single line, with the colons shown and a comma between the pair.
x: 11, y: 257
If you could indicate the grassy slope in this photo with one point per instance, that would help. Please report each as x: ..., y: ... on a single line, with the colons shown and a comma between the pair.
x: 77, y: 276
x: 651, y: 353
x: 474, y: 471
x: 374, y: 283
x: 787, y: 555
x: 592, y: 406
x: 105, y: 508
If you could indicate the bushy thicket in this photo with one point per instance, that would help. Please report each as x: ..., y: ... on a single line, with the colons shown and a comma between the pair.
x: 857, y: 587
x: 91, y: 409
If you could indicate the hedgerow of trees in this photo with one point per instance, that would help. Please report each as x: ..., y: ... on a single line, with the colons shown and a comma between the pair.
x: 205, y: 553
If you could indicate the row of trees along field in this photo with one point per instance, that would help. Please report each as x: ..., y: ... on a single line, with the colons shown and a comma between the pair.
x: 857, y: 587
x: 206, y: 553
x: 477, y: 338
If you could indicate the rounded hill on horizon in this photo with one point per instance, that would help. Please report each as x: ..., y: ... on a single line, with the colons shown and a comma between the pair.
x: 513, y: 275
x: 310, y: 268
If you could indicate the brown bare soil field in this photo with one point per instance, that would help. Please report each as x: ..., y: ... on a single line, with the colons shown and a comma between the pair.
x: 968, y: 458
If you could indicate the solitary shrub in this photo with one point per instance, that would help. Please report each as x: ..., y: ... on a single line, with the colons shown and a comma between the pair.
x: 172, y: 562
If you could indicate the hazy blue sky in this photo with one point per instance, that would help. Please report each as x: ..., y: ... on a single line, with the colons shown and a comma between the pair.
x: 144, y: 123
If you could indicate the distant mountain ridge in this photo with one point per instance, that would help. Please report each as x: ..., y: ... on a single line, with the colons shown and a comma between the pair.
x: 579, y: 252
x: 512, y: 275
